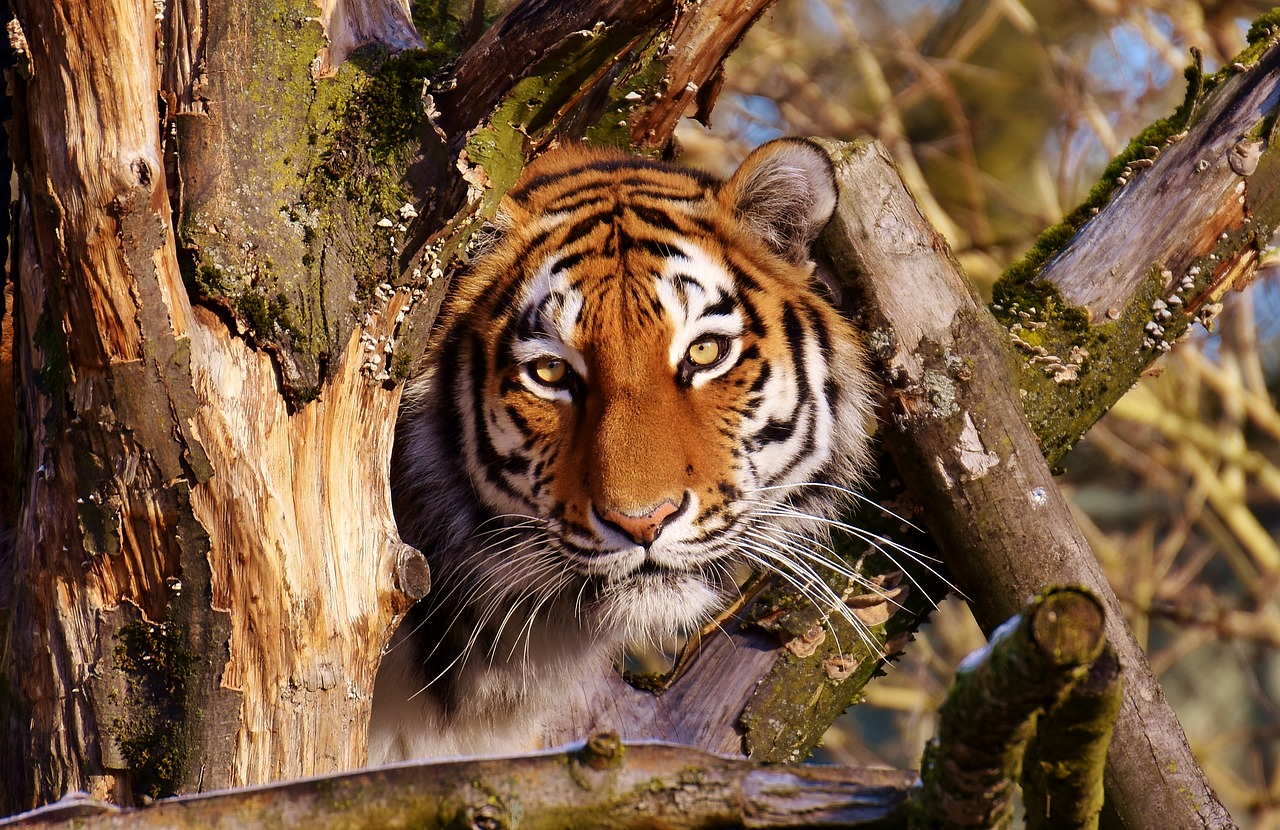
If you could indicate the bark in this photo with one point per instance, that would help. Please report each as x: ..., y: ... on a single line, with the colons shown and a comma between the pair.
x: 1063, y: 769
x: 1178, y: 220
x: 186, y: 620
x: 601, y: 784
x: 958, y: 434
x: 207, y: 561
x: 1034, y: 661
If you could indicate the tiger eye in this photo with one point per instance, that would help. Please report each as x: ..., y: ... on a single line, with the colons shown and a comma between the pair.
x: 706, y: 351
x: 550, y: 370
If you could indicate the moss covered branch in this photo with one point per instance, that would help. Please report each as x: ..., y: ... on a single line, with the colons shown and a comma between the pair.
x: 1062, y: 770
x: 1032, y: 663
x: 1178, y: 219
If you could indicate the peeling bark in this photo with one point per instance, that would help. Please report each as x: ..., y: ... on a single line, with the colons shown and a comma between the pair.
x: 211, y: 321
x: 207, y: 574
x: 350, y: 24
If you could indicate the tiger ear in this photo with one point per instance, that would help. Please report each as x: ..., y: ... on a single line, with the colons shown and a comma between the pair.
x: 785, y: 191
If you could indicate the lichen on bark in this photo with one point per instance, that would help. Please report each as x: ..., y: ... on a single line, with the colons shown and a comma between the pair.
x: 291, y: 207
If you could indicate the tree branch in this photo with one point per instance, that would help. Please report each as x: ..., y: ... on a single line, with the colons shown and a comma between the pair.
x: 1063, y: 769
x: 990, y: 714
x: 956, y: 429
x: 602, y: 784
x: 1177, y: 220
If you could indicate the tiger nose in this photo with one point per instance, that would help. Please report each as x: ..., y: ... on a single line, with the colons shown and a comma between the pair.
x: 642, y: 528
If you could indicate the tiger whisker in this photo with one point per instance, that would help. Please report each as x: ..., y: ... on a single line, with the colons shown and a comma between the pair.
x: 488, y: 594
x: 480, y: 624
x: 804, y: 580
x: 804, y: 546
x: 846, y: 491
x: 475, y: 587
x: 880, y: 543
x: 778, y: 547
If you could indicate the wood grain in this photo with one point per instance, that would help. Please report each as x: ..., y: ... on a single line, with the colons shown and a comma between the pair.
x: 1183, y: 203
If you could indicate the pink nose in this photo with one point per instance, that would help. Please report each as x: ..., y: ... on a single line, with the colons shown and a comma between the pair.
x: 644, y: 528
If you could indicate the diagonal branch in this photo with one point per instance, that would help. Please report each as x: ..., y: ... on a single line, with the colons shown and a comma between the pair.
x: 958, y: 434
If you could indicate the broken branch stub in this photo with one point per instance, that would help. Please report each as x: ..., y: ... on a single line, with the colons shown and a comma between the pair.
x: 1062, y: 769
x: 1032, y: 662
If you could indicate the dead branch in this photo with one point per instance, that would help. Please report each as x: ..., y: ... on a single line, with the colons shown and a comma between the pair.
x: 601, y: 783
x: 1062, y: 771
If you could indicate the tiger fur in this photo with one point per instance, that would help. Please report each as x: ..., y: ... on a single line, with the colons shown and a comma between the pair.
x: 638, y: 386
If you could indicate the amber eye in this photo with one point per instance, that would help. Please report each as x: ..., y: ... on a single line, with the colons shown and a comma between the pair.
x: 707, y: 351
x: 553, y: 371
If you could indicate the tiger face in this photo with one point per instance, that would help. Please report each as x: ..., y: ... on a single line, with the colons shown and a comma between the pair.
x: 639, y: 386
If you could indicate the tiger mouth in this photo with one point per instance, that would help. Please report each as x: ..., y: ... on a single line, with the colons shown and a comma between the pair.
x: 654, y: 573
x: 651, y: 568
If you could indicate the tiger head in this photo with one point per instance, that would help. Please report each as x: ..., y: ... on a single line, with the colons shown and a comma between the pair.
x: 639, y: 385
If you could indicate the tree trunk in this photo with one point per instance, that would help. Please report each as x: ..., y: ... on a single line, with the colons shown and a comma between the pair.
x: 208, y: 573
x: 957, y: 431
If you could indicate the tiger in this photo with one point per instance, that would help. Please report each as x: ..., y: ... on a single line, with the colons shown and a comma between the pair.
x: 638, y: 388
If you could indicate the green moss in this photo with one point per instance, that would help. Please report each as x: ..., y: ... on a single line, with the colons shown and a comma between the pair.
x: 208, y: 280
x: 401, y: 367
x: 613, y: 129
x: 370, y: 126
x: 540, y: 103
x: 1045, y: 328
x: 99, y: 526
x: 389, y: 110
x: 158, y: 664
x: 1261, y: 34
x: 268, y: 316
x: 330, y: 167
x: 54, y: 375
x: 440, y: 25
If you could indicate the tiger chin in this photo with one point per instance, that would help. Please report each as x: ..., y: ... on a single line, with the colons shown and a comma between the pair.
x: 639, y: 387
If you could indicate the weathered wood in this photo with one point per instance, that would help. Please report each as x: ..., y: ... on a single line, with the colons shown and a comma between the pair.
x: 962, y: 444
x: 100, y: 313
x: 1178, y: 219
x: 600, y: 784
x: 1200, y: 185
x: 350, y: 24
x: 695, y: 70
x: 765, y: 682
x: 207, y: 575
x: 206, y: 591
x: 522, y: 39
